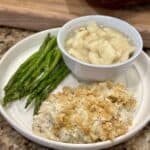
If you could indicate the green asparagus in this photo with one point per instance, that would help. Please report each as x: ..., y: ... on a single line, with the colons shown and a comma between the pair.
x: 24, y: 89
x: 57, y: 57
x: 46, y: 92
x: 38, y: 75
x: 49, y: 46
x: 26, y: 64
x: 46, y: 82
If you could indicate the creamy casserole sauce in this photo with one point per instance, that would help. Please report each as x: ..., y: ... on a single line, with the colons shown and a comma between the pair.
x: 99, y: 45
x: 86, y: 114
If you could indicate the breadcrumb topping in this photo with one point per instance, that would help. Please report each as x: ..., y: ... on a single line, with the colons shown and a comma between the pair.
x: 86, y: 114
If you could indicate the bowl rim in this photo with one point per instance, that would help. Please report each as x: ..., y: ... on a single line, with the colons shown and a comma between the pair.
x: 60, y: 45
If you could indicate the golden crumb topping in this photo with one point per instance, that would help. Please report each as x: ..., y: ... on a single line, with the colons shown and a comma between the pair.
x: 85, y: 114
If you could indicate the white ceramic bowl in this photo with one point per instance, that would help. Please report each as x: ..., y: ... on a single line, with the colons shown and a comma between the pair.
x: 90, y: 72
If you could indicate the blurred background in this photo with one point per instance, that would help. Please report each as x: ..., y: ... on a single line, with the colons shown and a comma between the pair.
x: 43, y: 14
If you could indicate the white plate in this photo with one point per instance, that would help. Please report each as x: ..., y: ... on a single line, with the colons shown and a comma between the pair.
x: 137, y: 79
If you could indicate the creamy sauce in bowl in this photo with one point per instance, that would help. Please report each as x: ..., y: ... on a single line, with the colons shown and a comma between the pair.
x: 99, y: 45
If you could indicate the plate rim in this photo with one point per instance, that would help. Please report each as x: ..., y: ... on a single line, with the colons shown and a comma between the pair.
x: 51, y: 143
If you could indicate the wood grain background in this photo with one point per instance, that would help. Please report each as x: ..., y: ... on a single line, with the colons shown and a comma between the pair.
x: 43, y: 14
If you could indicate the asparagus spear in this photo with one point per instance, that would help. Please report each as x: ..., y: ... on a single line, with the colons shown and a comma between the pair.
x: 60, y: 69
x: 25, y: 64
x: 57, y: 57
x: 8, y: 91
x: 25, y: 88
x: 45, y: 93
x: 37, y: 69
x: 18, y: 84
x: 42, y: 86
x: 49, y: 46
x: 36, y: 73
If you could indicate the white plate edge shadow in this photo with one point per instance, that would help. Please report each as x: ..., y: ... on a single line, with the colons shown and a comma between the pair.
x: 55, y: 144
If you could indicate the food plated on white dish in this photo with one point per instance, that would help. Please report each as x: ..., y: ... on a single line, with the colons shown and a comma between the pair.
x: 86, y: 114
x: 72, y: 116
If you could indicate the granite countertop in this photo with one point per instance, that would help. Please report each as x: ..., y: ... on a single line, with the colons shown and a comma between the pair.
x: 12, y: 140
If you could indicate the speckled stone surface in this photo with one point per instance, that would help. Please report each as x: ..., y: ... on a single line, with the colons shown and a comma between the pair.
x: 12, y: 140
